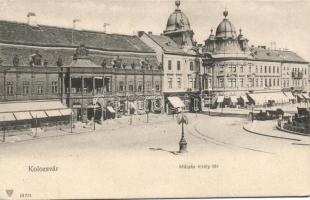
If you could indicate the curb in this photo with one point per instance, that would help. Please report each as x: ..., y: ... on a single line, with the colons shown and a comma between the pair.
x: 278, y: 137
x: 292, y: 132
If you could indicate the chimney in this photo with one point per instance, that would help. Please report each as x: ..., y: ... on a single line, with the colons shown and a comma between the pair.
x: 150, y: 32
x: 140, y: 33
x: 32, y: 19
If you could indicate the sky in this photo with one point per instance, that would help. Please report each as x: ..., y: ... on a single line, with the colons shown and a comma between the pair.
x: 285, y: 22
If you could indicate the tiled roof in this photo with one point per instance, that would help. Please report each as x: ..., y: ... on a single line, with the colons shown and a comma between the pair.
x: 276, y: 55
x: 166, y: 43
x: 7, y: 53
x: 21, y: 33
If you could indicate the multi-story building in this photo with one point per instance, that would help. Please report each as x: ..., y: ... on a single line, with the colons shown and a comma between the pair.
x: 85, y: 70
x: 235, y: 71
x: 180, y: 58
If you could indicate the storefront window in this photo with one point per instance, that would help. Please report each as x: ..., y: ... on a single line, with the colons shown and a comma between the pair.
x: 26, y: 87
x: 54, y: 87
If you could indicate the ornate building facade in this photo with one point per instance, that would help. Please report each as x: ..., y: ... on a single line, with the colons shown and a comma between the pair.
x: 93, y: 73
x: 236, y: 73
x: 179, y: 54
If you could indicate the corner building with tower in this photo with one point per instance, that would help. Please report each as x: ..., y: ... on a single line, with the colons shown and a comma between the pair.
x: 237, y: 75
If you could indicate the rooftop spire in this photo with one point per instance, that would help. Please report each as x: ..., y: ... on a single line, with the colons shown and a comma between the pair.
x: 225, y: 13
x: 177, y: 3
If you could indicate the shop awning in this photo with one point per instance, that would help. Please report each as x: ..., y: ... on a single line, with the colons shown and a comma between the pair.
x: 306, y: 96
x: 234, y: 99
x: 176, y: 102
x: 245, y: 99
x: 22, y: 115
x: 38, y: 114
x: 24, y: 106
x: 53, y: 113
x: 262, y: 98
x: 65, y: 112
x: 220, y: 99
x: 6, y: 117
x: 110, y: 109
x: 289, y: 95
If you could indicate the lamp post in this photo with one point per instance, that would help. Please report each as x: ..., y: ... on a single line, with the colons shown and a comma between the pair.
x: 182, y: 144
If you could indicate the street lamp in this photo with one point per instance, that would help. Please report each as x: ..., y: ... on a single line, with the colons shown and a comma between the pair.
x: 182, y: 144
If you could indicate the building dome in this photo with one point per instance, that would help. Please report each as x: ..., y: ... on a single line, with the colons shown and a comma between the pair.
x: 177, y: 20
x: 226, y: 29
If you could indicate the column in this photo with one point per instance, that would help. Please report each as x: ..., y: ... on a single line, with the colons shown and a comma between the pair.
x: 69, y: 95
x: 94, y: 84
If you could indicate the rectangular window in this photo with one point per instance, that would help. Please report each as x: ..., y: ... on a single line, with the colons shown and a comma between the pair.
x: 241, y: 68
x: 278, y: 82
x: 179, y: 83
x: 178, y: 65
x: 265, y: 69
x: 140, y: 86
x: 269, y: 69
x: 40, y: 89
x: 234, y: 68
x: 269, y: 81
x: 157, y: 86
x: 54, y: 87
x: 278, y: 69
x: 26, y: 85
x: 221, y: 82
x: 121, y: 87
x: 256, y: 82
x: 10, y: 88
x: 274, y: 69
x: 169, y: 83
x: 148, y: 86
x: 256, y: 69
x: 266, y: 82
x: 274, y: 82
x: 241, y: 82
x: 261, y: 69
x: 130, y: 86
x: 191, y: 66
x: 169, y: 64
x: 261, y: 82
x: 190, y: 82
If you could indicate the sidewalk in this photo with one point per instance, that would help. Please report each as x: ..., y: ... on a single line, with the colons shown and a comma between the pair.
x: 80, y: 128
x: 268, y: 128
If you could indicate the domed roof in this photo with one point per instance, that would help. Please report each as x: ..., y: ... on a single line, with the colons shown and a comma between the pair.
x: 226, y: 29
x: 177, y: 20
